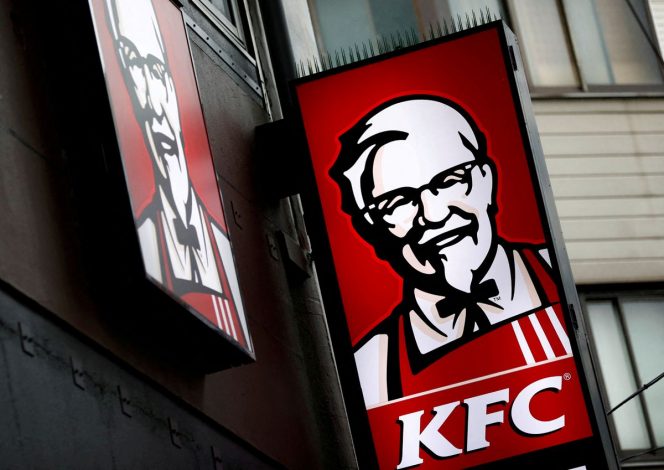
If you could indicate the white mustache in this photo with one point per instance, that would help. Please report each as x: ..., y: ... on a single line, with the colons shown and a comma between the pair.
x: 454, y: 222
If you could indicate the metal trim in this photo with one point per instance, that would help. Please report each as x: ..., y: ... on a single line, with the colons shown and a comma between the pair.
x: 223, y: 55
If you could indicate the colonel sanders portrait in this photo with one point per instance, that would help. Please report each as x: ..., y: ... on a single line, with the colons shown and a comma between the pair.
x: 420, y: 187
x: 185, y: 250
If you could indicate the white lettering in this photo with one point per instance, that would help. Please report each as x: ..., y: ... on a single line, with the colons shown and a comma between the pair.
x: 521, y: 416
x: 479, y: 419
x: 430, y: 437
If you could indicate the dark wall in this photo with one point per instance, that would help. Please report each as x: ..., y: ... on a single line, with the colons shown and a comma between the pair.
x: 58, y: 259
x: 66, y: 404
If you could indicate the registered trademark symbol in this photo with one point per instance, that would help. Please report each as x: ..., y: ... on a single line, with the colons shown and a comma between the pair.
x: 567, y: 376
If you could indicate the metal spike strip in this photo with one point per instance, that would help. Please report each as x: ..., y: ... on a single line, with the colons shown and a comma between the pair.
x: 405, y: 38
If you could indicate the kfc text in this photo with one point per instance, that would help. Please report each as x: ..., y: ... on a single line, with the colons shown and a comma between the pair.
x: 477, y: 420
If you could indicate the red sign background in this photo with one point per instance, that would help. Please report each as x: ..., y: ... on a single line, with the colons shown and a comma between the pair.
x: 474, y: 76
x: 136, y: 159
x: 470, y: 71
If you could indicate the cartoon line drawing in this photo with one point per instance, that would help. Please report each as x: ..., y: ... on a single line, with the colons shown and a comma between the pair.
x: 416, y: 179
x: 183, y: 248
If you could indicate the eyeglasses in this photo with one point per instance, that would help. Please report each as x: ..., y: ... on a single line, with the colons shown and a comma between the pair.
x: 155, y: 66
x: 403, y: 203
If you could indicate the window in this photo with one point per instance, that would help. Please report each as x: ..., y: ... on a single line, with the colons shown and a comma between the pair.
x: 594, y: 45
x: 568, y: 45
x: 627, y: 336
x: 228, y: 16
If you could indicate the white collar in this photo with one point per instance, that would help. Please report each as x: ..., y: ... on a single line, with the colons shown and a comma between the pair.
x: 180, y: 255
x: 516, y: 294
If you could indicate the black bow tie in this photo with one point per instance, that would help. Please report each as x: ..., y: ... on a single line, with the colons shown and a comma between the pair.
x: 455, y: 303
x: 186, y: 235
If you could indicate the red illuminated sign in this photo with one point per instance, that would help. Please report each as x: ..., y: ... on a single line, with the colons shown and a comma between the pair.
x: 447, y: 274
x: 168, y: 166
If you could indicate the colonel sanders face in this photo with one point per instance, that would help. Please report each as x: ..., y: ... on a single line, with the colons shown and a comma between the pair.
x: 423, y: 187
x: 148, y: 78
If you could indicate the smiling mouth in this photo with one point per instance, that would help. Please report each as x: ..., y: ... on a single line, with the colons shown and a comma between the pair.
x: 450, y: 234
x: 452, y: 237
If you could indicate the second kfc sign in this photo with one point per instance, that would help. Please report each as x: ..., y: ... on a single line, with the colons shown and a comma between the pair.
x: 180, y: 222
x: 440, y: 248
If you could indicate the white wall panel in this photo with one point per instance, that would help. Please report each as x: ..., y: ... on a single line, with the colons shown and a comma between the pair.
x: 598, y: 123
x: 603, y: 143
x: 610, y: 207
x: 606, y: 161
x: 608, y: 186
x: 610, y: 271
x: 605, y: 165
x: 633, y: 228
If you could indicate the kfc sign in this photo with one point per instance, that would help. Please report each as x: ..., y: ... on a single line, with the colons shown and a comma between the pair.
x: 440, y: 247
x: 180, y: 223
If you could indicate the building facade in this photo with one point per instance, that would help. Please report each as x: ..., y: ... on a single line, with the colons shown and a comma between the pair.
x: 92, y: 374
